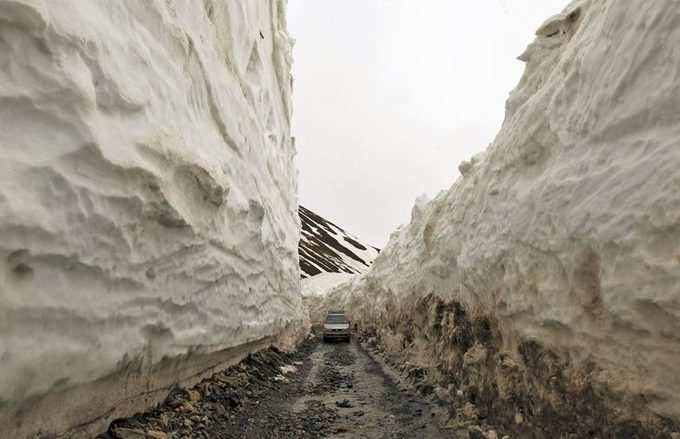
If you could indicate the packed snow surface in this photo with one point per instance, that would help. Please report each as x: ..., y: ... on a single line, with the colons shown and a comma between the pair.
x: 566, y: 229
x: 147, y: 188
x: 323, y: 283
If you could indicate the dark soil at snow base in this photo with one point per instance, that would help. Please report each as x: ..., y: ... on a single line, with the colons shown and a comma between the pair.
x: 337, y: 391
x: 537, y: 394
x: 245, y: 401
x: 344, y: 391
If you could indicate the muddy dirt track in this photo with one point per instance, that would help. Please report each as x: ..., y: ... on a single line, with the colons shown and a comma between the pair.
x: 332, y: 390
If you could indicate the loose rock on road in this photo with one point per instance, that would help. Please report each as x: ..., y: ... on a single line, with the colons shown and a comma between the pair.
x: 335, y: 391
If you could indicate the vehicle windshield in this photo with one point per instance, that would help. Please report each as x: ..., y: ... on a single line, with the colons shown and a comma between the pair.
x: 336, y: 318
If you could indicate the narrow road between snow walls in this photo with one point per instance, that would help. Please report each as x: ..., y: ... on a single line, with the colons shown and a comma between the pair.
x: 324, y: 390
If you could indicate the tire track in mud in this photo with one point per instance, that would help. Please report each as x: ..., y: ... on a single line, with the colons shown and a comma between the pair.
x: 334, y: 391
x: 367, y: 400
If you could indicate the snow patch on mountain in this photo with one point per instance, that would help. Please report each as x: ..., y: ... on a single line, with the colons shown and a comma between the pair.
x: 327, y: 248
x: 329, y: 258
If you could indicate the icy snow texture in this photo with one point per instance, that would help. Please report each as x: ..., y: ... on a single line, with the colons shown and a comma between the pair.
x: 147, y: 187
x: 567, y: 228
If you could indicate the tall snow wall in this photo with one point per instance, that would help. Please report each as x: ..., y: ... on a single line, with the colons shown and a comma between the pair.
x: 148, y: 208
x: 545, y: 283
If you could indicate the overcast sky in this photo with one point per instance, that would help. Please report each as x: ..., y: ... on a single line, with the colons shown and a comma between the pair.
x: 391, y: 95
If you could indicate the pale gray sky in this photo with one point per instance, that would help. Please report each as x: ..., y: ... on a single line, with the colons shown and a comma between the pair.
x: 391, y: 95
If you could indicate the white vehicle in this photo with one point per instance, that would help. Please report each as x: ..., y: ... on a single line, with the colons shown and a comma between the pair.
x: 336, y: 327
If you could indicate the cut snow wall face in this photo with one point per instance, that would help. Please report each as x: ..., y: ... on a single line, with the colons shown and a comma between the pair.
x: 565, y: 231
x: 148, y: 206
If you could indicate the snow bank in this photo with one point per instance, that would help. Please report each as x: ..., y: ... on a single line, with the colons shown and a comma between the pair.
x: 148, y: 212
x: 323, y: 283
x: 559, y: 243
x: 317, y: 289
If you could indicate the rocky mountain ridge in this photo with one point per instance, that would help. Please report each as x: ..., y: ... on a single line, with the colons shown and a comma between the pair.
x: 326, y: 248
